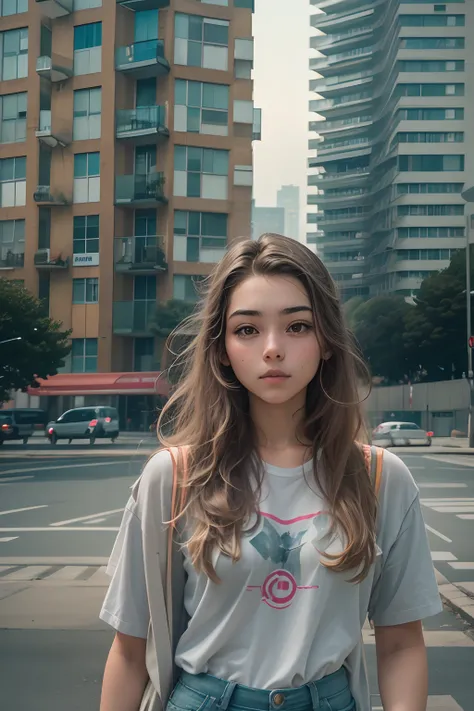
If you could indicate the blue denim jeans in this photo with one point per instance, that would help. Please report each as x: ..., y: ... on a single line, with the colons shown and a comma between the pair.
x: 203, y: 692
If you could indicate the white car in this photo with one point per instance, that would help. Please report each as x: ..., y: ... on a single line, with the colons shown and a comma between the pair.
x: 85, y: 423
x: 400, y: 434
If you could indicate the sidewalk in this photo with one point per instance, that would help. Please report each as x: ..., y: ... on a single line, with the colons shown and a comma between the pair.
x: 458, y: 596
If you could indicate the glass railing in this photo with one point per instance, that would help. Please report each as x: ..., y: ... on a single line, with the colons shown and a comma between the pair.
x: 11, y: 257
x: 133, y: 316
x: 257, y: 125
x: 45, y: 120
x: 43, y: 194
x: 139, y: 253
x: 135, y: 187
x: 146, y: 51
x: 143, y: 118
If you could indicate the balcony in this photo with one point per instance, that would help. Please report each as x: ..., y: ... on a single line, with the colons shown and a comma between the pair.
x: 141, y: 123
x: 47, y: 135
x: 54, y: 68
x: 144, y: 4
x: 55, y: 8
x: 43, y: 196
x: 45, y: 260
x: 142, y: 60
x: 136, y: 190
x: 257, y: 125
x: 133, y: 318
x: 140, y: 255
x: 11, y: 256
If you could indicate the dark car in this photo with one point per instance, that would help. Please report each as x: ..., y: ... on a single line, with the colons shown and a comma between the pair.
x: 20, y: 423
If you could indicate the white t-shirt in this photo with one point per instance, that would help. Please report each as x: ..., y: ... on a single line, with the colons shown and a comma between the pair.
x: 279, y: 618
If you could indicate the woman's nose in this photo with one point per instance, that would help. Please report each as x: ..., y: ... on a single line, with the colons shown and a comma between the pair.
x: 273, y: 350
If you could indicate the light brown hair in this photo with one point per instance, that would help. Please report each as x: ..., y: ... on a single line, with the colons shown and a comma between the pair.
x: 210, y: 415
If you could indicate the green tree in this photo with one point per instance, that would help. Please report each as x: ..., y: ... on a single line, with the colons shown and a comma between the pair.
x: 351, y: 308
x: 41, y: 345
x: 169, y: 315
x: 379, y: 326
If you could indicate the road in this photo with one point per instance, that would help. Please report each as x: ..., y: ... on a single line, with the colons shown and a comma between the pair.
x: 59, y: 513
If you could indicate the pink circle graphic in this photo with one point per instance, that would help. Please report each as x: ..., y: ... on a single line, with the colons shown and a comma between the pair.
x: 279, y: 589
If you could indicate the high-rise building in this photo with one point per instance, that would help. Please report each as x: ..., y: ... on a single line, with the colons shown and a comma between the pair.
x: 393, y: 83
x: 288, y: 197
x: 267, y: 219
x: 126, y: 133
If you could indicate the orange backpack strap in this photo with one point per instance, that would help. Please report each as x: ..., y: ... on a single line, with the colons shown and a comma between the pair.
x: 374, y: 463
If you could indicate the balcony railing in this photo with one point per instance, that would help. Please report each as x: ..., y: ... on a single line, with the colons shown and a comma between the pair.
x: 46, y: 134
x: 54, y: 68
x: 139, y: 189
x: 142, y: 121
x: 11, y: 258
x: 44, y: 259
x: 44, y: 195
x: 133, y: 317
x: 144, y: 4
x: 257, y: 125
x: 55, y: 8
x: 140, y: 254
x: 142, y: 59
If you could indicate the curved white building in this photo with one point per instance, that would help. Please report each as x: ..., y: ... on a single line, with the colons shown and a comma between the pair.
x: 391, y: 87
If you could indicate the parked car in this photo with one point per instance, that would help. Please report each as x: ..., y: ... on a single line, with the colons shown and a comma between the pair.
x: 402, y: 434
x: 19, y: 423
x: 85, y: 423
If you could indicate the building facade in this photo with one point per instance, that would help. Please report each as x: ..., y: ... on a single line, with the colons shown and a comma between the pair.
x: 267, y: 219
x: 126, y: 168
x: 288, y: 197
x: 392, y: 134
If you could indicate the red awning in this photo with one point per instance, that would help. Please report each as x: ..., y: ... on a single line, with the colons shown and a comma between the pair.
x: 102, y: 384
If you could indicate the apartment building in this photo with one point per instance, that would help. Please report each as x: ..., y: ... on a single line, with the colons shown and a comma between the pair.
x: 126, y: 133
x: 288, y: 197
x: 391, y: 132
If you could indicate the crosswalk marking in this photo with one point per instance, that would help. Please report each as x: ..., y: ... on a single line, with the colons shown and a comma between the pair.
x: 8, y: 539
x: 466, y: 517
x: 69, y: 572
x: 435, y: 703
x: 454, y: 509
x: 92, y: 574
x: 100, y: 577
x: 440, y: 485
x: 461, y: 506
x: 462, y: 566
x: 29, y: 573
x: 442, y: 555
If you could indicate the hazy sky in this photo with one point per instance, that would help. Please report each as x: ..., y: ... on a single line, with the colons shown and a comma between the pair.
x: 281, y: 32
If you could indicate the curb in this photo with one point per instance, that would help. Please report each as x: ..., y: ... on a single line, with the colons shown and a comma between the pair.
x: 454, y: 597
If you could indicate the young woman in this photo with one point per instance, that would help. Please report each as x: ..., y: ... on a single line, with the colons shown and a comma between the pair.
x: 285, y: 548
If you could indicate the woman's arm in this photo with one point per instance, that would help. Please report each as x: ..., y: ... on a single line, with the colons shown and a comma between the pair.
x: 402, y: 667
x: 125, y: 675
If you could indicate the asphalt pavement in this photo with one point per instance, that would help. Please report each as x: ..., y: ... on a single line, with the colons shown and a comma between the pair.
x: 59, y: 513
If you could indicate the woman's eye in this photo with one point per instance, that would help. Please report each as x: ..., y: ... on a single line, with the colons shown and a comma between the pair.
x: 298, y: 327
x: 245, y: 331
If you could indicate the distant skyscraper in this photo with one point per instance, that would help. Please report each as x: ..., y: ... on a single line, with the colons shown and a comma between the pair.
x: 288, y: 197
x: 267, y: 219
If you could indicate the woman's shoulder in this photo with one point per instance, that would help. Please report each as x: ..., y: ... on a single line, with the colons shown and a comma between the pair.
x: 398, y: 489
x: 156, y: 480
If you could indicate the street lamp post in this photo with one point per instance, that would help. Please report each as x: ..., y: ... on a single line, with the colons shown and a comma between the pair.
x: 468, y: 195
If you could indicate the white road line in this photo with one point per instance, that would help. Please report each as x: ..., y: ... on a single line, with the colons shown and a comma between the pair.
x: 54, y: 560
x: 86, y: 518
x: 437, y: 533
x: 466, y: 517
x: 43, y: 529
x: 70, y: 572
x: 442, y: 555
x: 439, y: 485
x: 48, y: 467
x: 462, y: 566
x: 27, y: 508
x: 100, y: 577
x: 449, y: 501
x: 7, y: 540
x: 12, y: 479
x: 94, y: 521
x: 29, y: 573
x: 3, y: 568
x: 453, y: 509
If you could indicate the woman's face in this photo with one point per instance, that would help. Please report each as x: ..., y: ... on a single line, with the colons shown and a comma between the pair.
x: 271, y: 341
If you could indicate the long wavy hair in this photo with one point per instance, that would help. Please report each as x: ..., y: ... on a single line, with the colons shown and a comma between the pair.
x: 209, y: 414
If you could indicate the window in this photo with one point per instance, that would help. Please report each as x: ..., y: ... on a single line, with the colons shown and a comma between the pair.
x: 86, y: 177
x: 84, y: 355
x: 146, y: 25
x: 14, y: 59
x: 201, y: 172
x: 86, y: 4
x: 13, y: 182
x: 432, y: 188
x: 430, y: 232
x: 88, y: 48
x: 243, y: 175
x: 201, y: 107
x: 144, y: 288
x: 87, y: 114
x: 201, y: 42
x: 224, y: 3
x: 85, y: 291
x: 431, y: 114
x: 143, y: 354
x: 432, y: 43
x: 199, y: 236
x: 12, y: 244
x: 185, y: 287
x: 430, y: 210
x: 430, y: 137
x: 432, y: 20
x: 243, y: 111
x: 13, y: 118
x: 431, y: 254
x: 146, y: 92
x: 431, y: 65
x: 86, y: 234
x: 13, y: 7
x: 430, y: 90
x: 431, y: 163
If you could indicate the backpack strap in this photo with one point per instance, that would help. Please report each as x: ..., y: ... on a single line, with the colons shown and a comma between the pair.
x: 374, y: 463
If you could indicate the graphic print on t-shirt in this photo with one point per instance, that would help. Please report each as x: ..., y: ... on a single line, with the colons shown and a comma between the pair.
x: 284, y: 549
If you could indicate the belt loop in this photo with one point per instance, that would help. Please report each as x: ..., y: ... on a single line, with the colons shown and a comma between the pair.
x: 224, y: 701
x: 313, y: 690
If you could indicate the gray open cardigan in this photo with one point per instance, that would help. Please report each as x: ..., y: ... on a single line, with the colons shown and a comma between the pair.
x: 152, y: 500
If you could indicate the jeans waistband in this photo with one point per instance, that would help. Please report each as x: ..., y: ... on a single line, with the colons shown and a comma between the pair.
x: 231, y: 693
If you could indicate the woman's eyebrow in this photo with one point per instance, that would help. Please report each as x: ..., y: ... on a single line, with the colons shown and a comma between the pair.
x: 287, y: 311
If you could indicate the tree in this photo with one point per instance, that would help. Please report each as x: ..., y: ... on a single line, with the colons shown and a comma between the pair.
x: 379, y: 326
x: 351, y: 307
x: 41, y: 345
x: 169, y: 316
